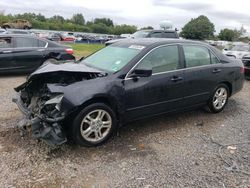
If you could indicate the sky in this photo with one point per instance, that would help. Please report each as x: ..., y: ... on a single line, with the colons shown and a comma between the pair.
x: 223, y: 14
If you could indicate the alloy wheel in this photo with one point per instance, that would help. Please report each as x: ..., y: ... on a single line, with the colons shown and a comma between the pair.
x: 220, y: 98
x: 96, y: 125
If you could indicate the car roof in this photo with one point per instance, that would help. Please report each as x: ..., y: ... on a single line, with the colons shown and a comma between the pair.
x: 18, y: 35
x: 146, y: 42
x: 158, y: 30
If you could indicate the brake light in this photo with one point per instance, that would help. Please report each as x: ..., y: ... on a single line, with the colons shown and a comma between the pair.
x: 69, y: 51
x: 242, y: 70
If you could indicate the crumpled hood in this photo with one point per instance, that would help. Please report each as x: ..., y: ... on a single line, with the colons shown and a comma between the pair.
x: 64, y: 67
x: 48, y: 70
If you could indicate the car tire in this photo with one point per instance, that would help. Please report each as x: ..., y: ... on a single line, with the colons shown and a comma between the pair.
x: 6, y: 27
x: 94, y: 125
x: 218, y: 99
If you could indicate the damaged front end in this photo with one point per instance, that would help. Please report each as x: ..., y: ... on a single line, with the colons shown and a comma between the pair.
x: 41, y: 100
x: 42, y: 117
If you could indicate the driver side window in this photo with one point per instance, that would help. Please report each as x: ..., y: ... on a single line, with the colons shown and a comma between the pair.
x: 161, y: 59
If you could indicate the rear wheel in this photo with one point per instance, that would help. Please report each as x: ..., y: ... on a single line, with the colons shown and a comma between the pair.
x: 219, y: 98
x: 94, y: 125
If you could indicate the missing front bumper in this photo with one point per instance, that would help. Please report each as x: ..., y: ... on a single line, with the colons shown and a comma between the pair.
x: 46, y: 129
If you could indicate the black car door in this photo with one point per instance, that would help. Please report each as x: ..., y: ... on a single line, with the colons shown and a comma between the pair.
x: 28, y: 54
x: 201, y: 73
x: 6, y: 48
x: 162, y: 91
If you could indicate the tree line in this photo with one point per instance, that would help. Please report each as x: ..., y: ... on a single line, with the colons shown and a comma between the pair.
x: 76, y: 24
x: 199, y: 28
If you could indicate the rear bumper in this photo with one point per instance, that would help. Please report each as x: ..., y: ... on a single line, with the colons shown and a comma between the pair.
x: 247, y: 73
x: 46, y: 129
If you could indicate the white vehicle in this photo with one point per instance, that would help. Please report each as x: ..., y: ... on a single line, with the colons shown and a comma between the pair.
x: 237, y: 51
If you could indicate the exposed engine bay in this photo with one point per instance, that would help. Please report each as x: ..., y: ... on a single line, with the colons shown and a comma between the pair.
x: 42, y: 106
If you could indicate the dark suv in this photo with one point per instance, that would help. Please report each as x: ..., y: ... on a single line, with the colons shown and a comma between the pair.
x: 150, y: 34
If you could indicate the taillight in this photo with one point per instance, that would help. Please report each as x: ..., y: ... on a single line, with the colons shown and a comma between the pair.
x: 69, y: 51
x: 242, y: 70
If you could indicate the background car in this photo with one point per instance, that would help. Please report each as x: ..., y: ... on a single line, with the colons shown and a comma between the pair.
x: 246, y: 61
x: 124, y: 82
x: 25, y: 53
x: 2, y: 31
x: 18, y: 31
x: 237, y: 51
x: 149, y: 34
x: 17, y: 24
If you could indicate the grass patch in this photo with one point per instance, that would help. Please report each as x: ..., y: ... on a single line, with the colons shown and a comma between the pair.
x: 83, y: 50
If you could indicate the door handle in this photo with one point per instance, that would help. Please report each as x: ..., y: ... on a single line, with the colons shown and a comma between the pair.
x: 176, y: 78
x: 6, y: 52
x: 216, y: 70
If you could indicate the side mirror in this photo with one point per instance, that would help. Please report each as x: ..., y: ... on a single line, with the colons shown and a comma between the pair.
x: 225, y: 49
x: 141, y: 73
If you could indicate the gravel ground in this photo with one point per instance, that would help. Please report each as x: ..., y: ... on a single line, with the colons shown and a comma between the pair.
x: 192, y: 149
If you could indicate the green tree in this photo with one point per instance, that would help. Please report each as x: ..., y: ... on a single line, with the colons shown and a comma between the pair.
x: 121, y: 29
x: 41, y: 18
x: 147, y: 28
x: 78, y: 19
x: 106, y: 21
x: 228, y: 34
x: 99, y: 28
x: 57, y: 19
x: 198, y: 28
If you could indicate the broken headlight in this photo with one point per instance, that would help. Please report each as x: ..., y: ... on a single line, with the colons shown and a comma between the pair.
x: 55, y: 101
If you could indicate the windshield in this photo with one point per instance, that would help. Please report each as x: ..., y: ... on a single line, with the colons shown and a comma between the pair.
x: 140, y: 34
x: 111, y: 58
x: 241, y: 48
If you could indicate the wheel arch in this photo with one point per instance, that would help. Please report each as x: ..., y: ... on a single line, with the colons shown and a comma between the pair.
x: 109, y: 101
x: 229, y: 85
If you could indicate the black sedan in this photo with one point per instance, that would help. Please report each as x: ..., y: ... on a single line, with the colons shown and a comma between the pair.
x: 25, y: 53
x: 126, y: 81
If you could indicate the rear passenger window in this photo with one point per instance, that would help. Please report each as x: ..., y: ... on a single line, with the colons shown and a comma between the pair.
x: 41, y: 43
x: 162, y: 59
x: 214, y: 59
x: 5, y: 42
x: 156, y: 35
x: 26, y: 42
x: 169, y: 35
x: 196, y: 56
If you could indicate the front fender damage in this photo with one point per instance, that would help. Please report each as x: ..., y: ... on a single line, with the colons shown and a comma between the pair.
x: 41, y: 100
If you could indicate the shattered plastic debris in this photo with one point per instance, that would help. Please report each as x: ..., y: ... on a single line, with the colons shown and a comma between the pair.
x: 231, y: 149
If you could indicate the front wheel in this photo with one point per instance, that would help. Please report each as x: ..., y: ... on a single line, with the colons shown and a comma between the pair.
x: 219, y: 98
x: 94, y: 125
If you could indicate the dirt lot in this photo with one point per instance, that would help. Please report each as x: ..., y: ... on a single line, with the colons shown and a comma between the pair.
x: 181, y: 150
